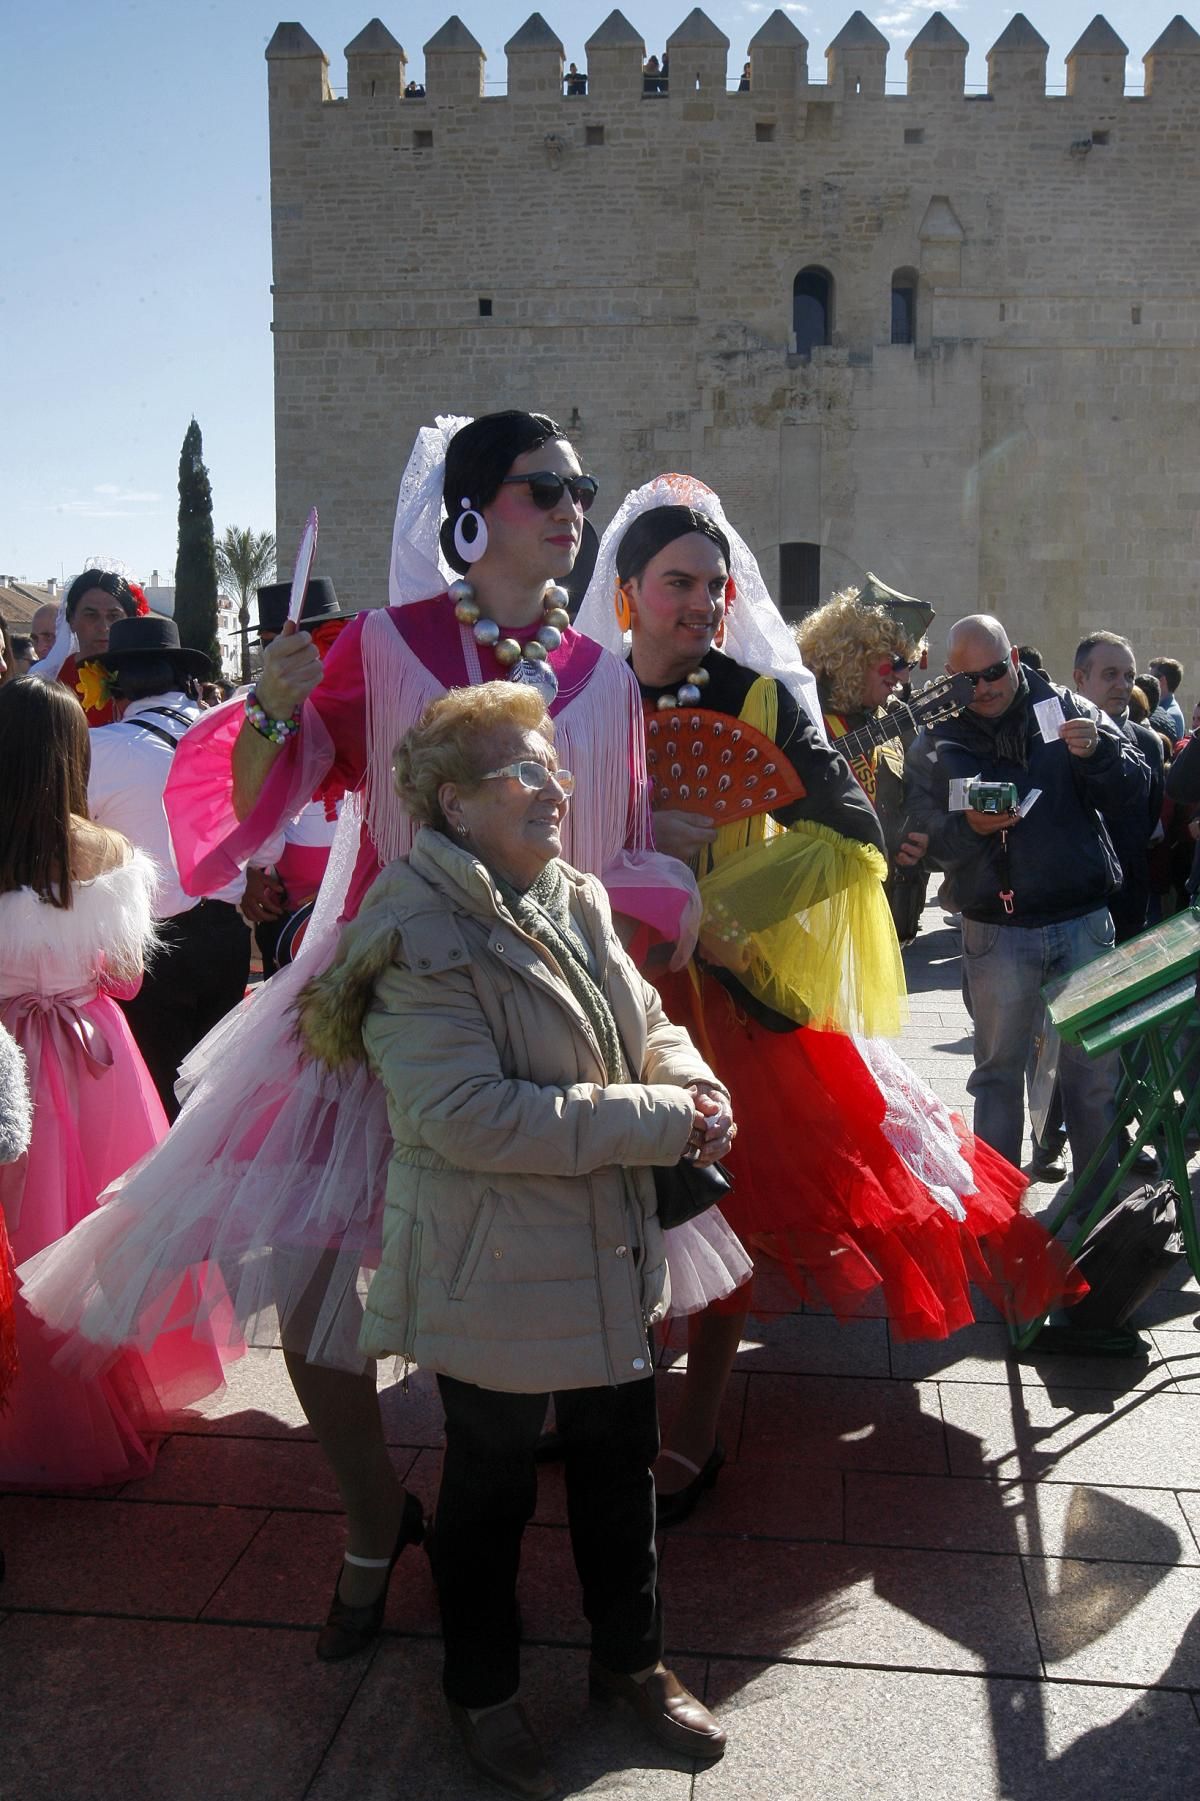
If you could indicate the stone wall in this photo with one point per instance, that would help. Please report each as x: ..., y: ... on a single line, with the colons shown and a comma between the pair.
x: 1035, y: 450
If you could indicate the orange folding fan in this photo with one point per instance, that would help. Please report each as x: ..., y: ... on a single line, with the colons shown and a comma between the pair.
x: 705, y: 762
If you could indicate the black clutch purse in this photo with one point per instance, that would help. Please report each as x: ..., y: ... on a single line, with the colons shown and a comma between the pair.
x: 685, y: 1189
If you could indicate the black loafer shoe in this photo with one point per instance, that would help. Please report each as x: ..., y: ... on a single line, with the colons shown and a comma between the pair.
x: 501, y: 1745
x: 668, y: 1711
x: 671, y: 1509
x: 349, y: 1630
x: 1047, y: 1166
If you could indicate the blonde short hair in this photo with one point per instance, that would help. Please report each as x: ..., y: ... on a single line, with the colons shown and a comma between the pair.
x: 453, y: 741
x: 840, y: 642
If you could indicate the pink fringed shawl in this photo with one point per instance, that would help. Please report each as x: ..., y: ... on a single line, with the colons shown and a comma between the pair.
x: 382, y: 673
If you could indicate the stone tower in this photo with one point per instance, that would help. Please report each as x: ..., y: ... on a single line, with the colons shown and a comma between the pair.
x: 952, y: 337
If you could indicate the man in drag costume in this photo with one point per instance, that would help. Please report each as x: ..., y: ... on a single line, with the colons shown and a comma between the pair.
x: 276, y: 1168
x: 847, y: 1168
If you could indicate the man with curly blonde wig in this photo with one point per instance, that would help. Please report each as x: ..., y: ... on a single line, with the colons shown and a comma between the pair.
x: 861, y: 655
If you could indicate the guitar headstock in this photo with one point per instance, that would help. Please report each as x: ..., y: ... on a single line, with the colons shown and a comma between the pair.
x: 941, y: 698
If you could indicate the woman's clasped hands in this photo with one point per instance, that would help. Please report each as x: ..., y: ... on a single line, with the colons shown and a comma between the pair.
x: 713, y: 1130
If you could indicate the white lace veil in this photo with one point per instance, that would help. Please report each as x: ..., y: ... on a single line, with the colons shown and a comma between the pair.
x: 418, y: 568
x: 756, y: 633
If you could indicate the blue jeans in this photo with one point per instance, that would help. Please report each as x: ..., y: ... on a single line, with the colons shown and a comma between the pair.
x: 1005, y: 968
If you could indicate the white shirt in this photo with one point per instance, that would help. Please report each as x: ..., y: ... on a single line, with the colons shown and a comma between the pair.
x: 130, y: 766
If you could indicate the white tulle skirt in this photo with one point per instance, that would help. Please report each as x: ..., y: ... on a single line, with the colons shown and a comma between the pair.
x: 275, y: 1171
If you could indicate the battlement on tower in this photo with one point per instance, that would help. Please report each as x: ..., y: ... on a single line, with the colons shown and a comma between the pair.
x: 699, y: 72
x: 953, y: 336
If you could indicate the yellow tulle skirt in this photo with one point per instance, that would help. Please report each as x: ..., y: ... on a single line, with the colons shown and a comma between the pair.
x: 803, y: 922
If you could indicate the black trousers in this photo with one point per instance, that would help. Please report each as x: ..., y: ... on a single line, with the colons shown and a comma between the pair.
x: 488, y: 1495
x: 192, y: 982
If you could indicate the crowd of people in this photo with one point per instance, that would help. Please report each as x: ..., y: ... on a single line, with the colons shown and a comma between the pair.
x: 566, y: 927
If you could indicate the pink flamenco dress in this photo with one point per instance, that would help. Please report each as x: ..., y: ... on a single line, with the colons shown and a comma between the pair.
x: 276, y: 1169
x: 74, y: 1421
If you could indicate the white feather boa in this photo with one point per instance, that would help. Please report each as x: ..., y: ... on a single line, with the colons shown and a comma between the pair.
x: 109, y: 926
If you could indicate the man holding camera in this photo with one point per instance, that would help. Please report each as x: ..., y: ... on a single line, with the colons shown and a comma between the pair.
x: 1014, y: 794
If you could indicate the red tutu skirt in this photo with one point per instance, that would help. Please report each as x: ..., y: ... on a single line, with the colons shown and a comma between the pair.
x: 822, y: 1187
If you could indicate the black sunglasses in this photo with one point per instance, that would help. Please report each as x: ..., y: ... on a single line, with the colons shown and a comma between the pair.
x: 546, y: 488
x: 992, y: 673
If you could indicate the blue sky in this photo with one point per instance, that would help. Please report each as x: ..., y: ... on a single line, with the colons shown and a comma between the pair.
x: 137, y: 245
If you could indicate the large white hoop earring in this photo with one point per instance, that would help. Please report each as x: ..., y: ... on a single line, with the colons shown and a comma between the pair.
x: 470, y: 534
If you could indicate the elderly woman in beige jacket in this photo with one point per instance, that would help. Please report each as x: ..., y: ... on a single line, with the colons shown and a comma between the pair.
x: 533, y: 1083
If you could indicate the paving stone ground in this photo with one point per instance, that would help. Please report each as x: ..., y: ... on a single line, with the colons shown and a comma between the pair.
x: 926, y: 1570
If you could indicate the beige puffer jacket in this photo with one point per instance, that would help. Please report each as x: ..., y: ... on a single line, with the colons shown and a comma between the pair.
x: 521, y: 1248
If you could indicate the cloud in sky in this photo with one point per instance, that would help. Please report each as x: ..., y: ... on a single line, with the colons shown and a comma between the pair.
x: 111, y: 491
x: 903, y: 20
x: 107, y: 500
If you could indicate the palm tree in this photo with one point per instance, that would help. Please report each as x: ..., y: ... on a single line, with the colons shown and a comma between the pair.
x: 245, y: 560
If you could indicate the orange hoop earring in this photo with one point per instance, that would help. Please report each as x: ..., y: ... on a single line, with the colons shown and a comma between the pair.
x: 621, y: 607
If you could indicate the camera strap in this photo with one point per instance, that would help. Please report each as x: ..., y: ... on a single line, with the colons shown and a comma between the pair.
x: 1006, y: 894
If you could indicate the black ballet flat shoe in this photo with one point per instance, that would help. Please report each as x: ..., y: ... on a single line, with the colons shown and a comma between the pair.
x: 673, y: 1509
x: 349, y: 1630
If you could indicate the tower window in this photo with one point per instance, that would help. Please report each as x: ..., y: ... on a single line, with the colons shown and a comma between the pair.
x: 812, y: 308
x: 764, y: 132
x: 485, y: 308
x: 904, y: 306
x: 593, y: 134
x: 422, y: 140
x: 799, y: 579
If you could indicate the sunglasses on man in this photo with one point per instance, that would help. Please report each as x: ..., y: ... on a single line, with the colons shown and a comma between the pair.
x: 546, y: 488
x: 992, y: 673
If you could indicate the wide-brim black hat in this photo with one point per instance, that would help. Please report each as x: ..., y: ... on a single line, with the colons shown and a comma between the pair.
x: 320, y: 605
x: 141, y: 639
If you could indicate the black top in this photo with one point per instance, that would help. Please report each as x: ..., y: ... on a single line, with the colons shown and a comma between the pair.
x: 1058, y: 862
x: 833, y: 798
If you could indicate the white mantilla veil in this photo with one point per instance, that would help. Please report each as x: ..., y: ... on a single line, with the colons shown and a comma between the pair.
x: 418, y: 568
x: 756, y: 634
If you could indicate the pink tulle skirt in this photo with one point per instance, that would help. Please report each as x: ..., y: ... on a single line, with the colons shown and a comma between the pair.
x: 71, y: 1420
x: 275, y: 1175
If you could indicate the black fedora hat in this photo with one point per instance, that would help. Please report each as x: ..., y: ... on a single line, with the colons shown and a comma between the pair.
x: 138, y: 640
x: 320, y: 604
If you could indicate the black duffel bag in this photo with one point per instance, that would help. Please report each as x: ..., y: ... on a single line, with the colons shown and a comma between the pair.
x: 1127, y: 1255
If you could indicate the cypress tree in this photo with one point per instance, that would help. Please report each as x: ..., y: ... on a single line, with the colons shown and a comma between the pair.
x: 195, y: 564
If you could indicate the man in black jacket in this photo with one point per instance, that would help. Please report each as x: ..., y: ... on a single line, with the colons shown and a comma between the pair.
x: 1104, y: 674
x: 1033, y: 885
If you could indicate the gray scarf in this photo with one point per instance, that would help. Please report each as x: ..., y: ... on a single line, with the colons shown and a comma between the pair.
x: 544, y: 911
x: 1006, y: 738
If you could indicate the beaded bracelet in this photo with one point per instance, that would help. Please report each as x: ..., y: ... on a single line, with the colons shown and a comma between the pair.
x: 276, y: 731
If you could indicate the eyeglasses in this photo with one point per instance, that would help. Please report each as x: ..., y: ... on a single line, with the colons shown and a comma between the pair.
x: 546, y: 488
x: 896, y: 666
x: 992, y: 673
x: 534, y: 776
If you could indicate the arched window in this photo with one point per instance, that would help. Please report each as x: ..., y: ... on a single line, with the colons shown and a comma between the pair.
x: 904, y: 306
x: 799, y: 579
x: 812, y: 308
